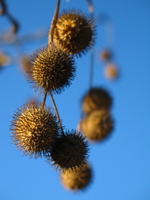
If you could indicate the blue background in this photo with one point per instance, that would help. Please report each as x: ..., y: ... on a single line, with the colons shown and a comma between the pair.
x: 121, y: 164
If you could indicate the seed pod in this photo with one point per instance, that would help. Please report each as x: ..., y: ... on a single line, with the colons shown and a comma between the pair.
x: 111, y: 71
x: 25, y: 64
x: 96, y: 98
x: 74, y: 33
x: 105, y: 55
x: 69, y: 151
x: 52, y: 69
x: 97, y: 125
x: 4, y: 60
x: 78, y: 179
x: 34, y: 129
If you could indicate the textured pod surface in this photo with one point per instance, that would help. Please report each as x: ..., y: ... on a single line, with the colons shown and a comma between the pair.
x: 52, y: 69
x: 34, y: 129
x: 96, y: 98
x: 69, y: 151
x: 97, y: 125
x: 74, y: 33
x: 78, y: 179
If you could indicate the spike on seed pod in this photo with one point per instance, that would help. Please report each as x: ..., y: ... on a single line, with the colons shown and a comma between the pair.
x: 69, y: 151
x: 96, y: 98
x: 74, y: 33
x: 78, y: 179
x: 52, y: 69
x: 97, y: 126
x: 34, y: 129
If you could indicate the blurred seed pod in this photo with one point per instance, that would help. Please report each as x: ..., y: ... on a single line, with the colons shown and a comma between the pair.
x: 25, y: 64
x: 96, y: 98
x: 34, y: 129
x: 52, y: 69
x: 69, y: 151
x: 97, y: 125
x: 74, y: 33
x: 105, y: 55
x: 111, y: 71
x: 4, y: 59
x: 78, y: 179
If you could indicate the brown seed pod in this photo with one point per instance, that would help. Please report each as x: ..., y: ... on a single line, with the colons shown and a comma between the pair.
x: 34, y: 129
x: 105, y: 55
x: 4, y: 59
x: 97, y: 125
x: 52, y: 69
x: 111, y: 71
x: 69, y: 151
x: 78, y: 179
x: 96, y: 98
x: 74, y: 33
x: 25, y: 64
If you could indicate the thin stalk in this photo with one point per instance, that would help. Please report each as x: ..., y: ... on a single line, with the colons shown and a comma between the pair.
x: 44, y: 100
x: 57, y: 113
x: 91, y: 10
x: 53, y: 23
x: 91, y: 68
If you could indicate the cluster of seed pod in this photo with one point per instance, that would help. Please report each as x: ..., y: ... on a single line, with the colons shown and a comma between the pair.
x: 110, y: 68
x: 97, y: 123
x: 35, y: 129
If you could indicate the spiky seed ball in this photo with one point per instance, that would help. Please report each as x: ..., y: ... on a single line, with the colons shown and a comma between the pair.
x: 97, y: 125
x: 52, y: 69
x: 96, y: 98
x: 34, y: 129
x: 69, y: 151
x: 78, y: 179
x: 74, y: 32
x: 111, y: 71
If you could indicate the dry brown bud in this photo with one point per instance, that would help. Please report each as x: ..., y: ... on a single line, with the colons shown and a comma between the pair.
x: 78, y: 179
x: 74, y: 33
x: 52, y: 69
x: 69, y: 151
x: 96, y: 98
x: 34, y: 129
x: 97, y: 125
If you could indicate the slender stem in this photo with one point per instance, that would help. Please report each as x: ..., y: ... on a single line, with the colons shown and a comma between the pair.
x: 91, y: 68
x: 91, y: 10
x: 44, y: 100
x: 53, y: 23
x: 57, y: 113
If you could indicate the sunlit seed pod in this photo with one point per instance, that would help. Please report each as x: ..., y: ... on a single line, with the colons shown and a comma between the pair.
x: 105, y: 55
x: 78, y: 179
x: 52, y: 69
x: 97, y: 126
x: 34, y: 129
x: 111, y: 71
x: 25, y: 64
x: 96, y: 98
x: 74, y: 33
x: 69, y: 151
x: 4, y: 59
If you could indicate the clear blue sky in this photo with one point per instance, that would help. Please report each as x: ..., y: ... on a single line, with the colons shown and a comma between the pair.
x: 121, y: 164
